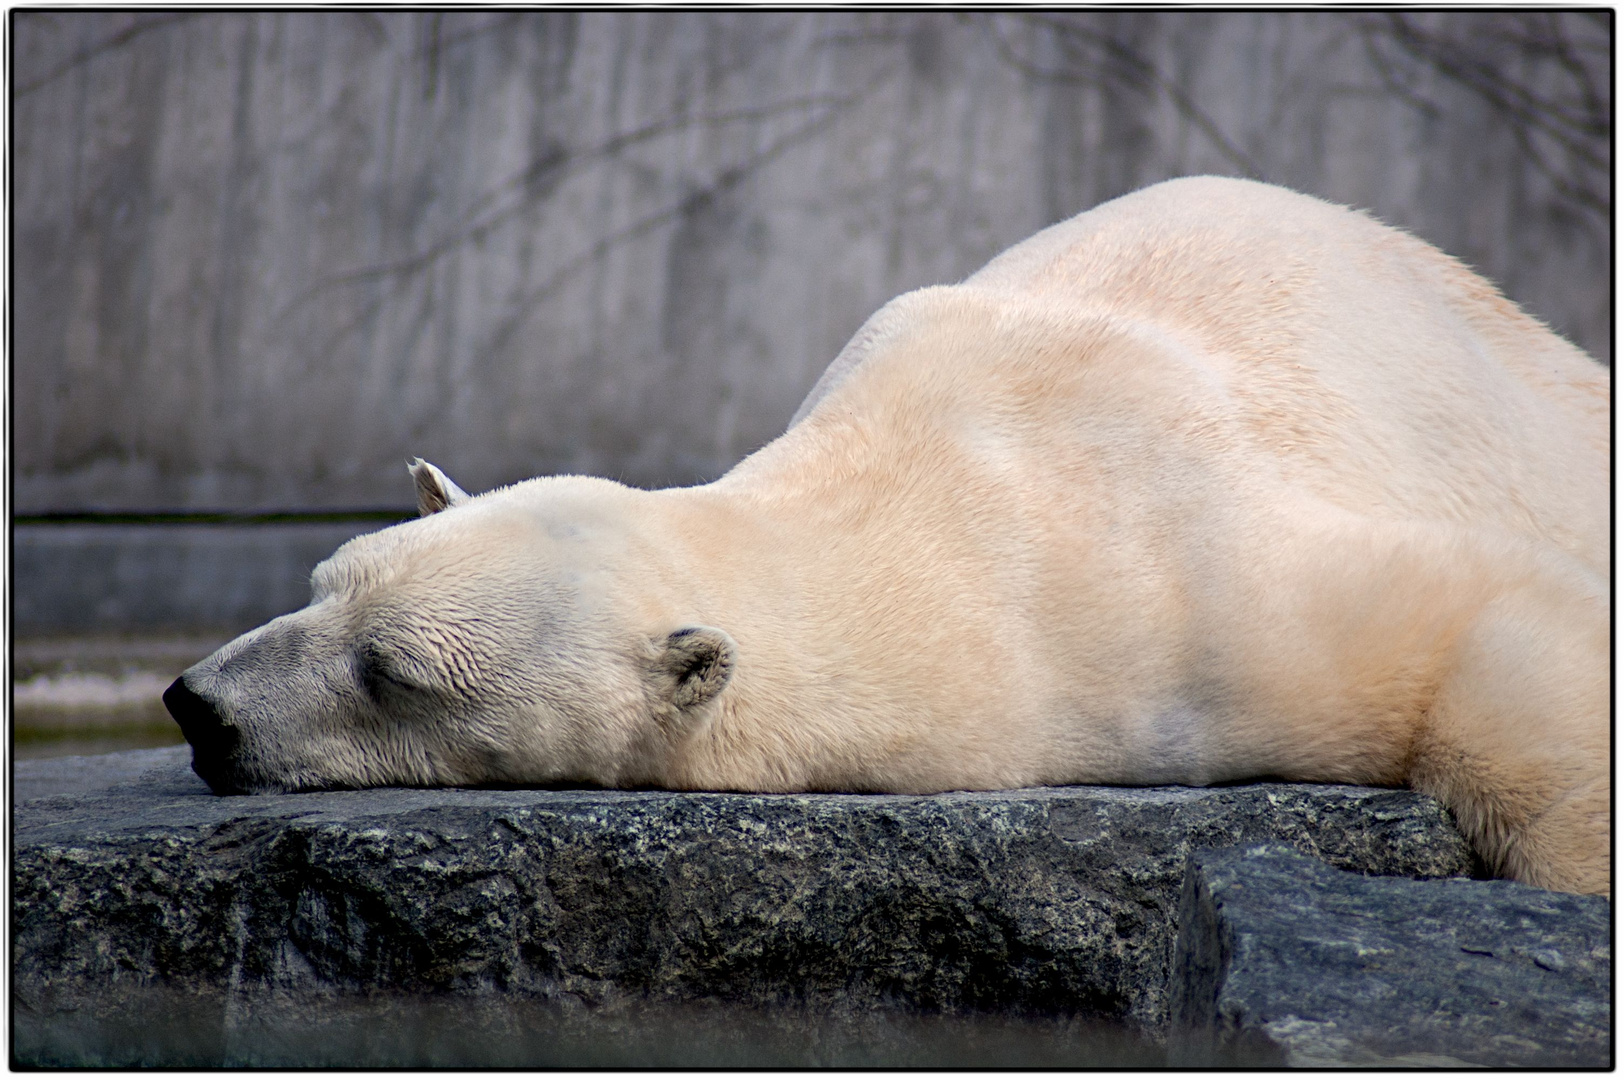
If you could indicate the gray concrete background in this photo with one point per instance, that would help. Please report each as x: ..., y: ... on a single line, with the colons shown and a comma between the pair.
x: 99, y: 579
x: 262, y: 258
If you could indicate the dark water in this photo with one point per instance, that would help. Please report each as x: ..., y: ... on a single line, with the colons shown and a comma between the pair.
x: 164, y: 1028
x: 97, y: 694
x: 37, y: 743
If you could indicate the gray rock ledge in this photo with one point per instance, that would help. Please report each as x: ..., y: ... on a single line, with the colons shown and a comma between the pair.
x: 1283, y: 956
x: 1031, y: 904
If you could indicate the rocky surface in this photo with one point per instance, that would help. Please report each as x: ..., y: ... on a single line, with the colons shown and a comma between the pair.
x: 1283, y: 957
x: 1039, y: 903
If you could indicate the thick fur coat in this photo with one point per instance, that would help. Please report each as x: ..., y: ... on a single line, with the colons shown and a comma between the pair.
x: 1213, y: 482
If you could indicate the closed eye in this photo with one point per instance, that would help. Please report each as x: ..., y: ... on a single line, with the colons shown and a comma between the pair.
x: 378, y: 676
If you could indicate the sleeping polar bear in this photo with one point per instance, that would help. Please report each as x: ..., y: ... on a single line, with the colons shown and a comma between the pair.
x: 1213, y: 482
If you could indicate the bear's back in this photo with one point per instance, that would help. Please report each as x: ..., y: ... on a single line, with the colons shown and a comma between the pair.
x: 1374, y: 371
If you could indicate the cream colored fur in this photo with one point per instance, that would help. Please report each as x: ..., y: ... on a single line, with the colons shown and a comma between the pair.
x: 1213, y: 482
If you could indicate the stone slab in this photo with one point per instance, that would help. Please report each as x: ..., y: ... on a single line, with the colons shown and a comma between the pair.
x: 1055, y: 902
x: 150, y: 771
x: 1284, y: 957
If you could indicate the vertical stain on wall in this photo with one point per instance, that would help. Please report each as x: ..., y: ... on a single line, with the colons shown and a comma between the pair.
x: 234, y: 237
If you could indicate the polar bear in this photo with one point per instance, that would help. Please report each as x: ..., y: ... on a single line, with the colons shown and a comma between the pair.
x: 1213, y: 482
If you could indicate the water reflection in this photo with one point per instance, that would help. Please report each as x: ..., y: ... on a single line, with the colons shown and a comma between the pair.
x: 159, y: 1027
x: 97, y: 694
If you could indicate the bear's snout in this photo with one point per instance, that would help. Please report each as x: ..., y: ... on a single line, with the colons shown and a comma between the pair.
x: 213, y: 740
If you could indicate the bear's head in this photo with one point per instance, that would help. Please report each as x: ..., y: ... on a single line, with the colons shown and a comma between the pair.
x: 496, y: 639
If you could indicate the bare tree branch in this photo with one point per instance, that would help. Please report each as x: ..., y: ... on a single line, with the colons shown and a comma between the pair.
x: 1552, y: 91
x: 473, y: 223
x: 648, y: 223
x: 84, y: 56
x: 1121, y: 64
x: 726, y: 179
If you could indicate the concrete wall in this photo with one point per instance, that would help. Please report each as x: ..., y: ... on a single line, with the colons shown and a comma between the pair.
x: 102, y: 579
x: 263, y: 258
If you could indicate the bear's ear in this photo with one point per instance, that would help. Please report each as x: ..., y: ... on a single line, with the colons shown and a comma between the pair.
x: 692, y: 666
x: 435, y: 491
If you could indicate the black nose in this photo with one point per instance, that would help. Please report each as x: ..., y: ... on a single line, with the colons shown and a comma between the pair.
x: 213, y: 740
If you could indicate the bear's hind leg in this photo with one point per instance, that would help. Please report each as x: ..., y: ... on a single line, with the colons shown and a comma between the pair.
x: 1516, y: 740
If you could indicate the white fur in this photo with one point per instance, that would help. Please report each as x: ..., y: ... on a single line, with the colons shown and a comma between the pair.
x: 1215, y: 481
